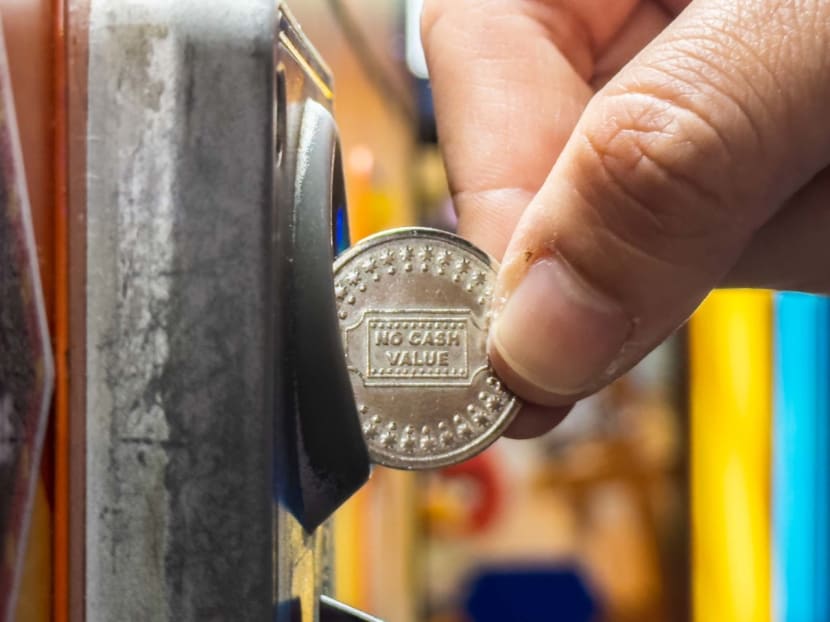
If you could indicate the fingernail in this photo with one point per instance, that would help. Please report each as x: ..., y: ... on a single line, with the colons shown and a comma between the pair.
x: 557, y: 332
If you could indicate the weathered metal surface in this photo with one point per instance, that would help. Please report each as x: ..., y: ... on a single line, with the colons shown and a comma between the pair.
x: 194, y: 115
x: 179, y: 398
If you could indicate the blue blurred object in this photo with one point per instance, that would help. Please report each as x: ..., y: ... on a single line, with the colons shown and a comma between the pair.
x: 530, y: 594
x: 801, y: 459
x: 340, y: 236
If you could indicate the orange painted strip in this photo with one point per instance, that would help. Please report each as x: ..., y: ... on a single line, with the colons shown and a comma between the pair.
x: 34, y: 604
x: 60, y: 520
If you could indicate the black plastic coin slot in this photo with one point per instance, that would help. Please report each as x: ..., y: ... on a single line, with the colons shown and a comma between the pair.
x: 332, y: 460
x: 281, y: 114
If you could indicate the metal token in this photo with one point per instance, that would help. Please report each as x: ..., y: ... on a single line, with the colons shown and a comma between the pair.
x: 414, y: 309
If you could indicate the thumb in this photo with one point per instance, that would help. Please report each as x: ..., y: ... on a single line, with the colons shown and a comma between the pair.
x: 671, y: 169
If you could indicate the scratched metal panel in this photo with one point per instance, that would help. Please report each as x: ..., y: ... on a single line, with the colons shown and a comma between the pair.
x: 190, y: 152
x: 179, y: 398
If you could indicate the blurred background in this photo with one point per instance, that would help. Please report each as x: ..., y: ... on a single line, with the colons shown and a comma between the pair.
x: 654, y: 501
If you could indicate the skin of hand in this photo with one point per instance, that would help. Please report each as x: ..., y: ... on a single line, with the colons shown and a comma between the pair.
x: 623, y: 158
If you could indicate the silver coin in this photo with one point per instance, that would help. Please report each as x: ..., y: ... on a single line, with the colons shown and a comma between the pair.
x: 414, y: 309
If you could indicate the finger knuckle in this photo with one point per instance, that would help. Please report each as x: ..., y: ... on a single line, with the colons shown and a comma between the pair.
x: 761, y: 66
x: 663, y: 165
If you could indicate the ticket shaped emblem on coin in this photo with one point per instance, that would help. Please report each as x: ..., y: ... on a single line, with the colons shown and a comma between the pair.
x: 414, y: 307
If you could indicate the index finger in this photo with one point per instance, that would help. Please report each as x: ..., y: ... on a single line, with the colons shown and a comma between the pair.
x: 506, y: 101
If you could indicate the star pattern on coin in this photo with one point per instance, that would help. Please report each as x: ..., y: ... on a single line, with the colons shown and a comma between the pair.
x: 408, y: 438
x: 371, y: 428
x: 406, y: 253
x: 478, y: 277
x: 427, y: 442
x: 370, y: 267
x: 389, y: 435
x: 443, y: 258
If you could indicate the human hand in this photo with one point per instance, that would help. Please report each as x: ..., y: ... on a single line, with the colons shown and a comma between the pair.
x: 624, y: 158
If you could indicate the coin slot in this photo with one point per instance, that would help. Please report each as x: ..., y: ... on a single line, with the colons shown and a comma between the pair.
x: 335, y: 461
x: 340, y: 238
x: 280, y: 123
